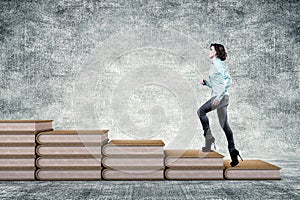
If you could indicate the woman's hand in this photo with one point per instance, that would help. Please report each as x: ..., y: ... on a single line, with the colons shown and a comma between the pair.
x: 202, y: 82
x: 216, y: 102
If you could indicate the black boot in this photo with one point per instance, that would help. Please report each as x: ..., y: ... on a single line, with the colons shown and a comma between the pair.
x: 209, y: 139
x: 208, y: 143
x: 234, y: 157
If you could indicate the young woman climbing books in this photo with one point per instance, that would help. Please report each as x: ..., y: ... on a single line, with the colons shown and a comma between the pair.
x: 219, y: 81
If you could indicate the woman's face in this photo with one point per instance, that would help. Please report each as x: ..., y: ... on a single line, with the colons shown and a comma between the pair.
x: 212, y: 52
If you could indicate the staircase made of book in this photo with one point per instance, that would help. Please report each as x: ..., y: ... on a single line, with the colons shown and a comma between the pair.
x: 32, y: 150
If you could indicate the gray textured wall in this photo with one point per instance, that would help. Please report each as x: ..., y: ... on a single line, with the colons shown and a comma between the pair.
x: 135, y: 68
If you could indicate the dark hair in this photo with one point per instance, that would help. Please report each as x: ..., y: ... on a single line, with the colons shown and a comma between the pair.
x: 220, y: 49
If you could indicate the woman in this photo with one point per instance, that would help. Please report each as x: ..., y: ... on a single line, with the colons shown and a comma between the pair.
x: 219, y: 81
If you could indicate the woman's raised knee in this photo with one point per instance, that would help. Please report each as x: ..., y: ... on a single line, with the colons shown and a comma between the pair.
x: 200, y: 112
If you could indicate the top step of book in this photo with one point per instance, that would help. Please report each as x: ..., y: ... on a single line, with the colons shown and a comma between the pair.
x: 25, y: 125
x: 134, y: 148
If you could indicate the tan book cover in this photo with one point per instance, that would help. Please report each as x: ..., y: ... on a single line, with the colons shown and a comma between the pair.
x: 136, y: 168
x: 193, y: 167
x: 137, y: 143
x: 73, y: 136
x: 194, y: 174
x: 75, y: 132
x: 24, y: 121
x: 73, y: 156
x: 252, y: 170
x: 72, y: 168
x: 111, y: 174
x: 18, y: 156
x: 17, y: 144
x: 25, y: 125
x: 65, y: 174
x: 20, y: 133
x: 17, y: 168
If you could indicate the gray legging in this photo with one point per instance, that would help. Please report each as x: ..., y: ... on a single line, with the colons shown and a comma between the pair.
x: 222, y: 115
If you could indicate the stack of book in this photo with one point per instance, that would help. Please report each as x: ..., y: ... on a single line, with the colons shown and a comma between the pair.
x: 193, y: 165
x: 133, y: 160
x: 17, y: 147
x: 70, y: 154
x: 251, y: 170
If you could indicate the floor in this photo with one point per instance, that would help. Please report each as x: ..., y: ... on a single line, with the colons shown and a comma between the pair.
x: 287, y: 188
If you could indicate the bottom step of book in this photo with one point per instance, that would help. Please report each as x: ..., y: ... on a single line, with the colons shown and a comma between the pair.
x: 251, y: 170
x: 66, y: 174
x: 194, y: 174
x: 17, y: 173
x: 111, y: 174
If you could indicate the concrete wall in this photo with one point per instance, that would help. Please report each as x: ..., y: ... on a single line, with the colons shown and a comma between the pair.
x: 135, y: 67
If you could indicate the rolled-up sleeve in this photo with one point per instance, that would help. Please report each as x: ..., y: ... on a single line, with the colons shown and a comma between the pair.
x: 208, y: 84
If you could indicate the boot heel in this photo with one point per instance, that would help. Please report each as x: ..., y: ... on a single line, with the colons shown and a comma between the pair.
x: 240, y: 157
x: 215, y: 145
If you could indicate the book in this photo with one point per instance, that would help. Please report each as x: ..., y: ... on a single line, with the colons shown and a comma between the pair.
x: 17, y: 173
x: 133, y: 163
x: 46, y: 162
x: 194, y: 174
x: 111, y: 174
x: 193, y: 164
x: 20, y: 137
x: 133, y: 160
x: 69, y: 174
x: 26, y: 125
x: 72, y: 149
x: 73, y: 136
x: 133, y: 147
x: 251, y: 170
x: 17, y: 160
x: 193, y: 158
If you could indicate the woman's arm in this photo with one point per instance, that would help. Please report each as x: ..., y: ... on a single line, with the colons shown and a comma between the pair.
x: 224, y: 80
